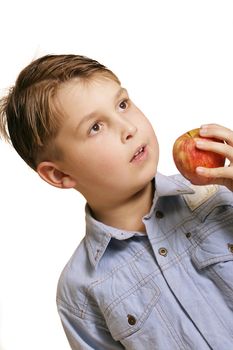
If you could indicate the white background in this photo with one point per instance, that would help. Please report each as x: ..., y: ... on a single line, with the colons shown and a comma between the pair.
x: 176, y: 59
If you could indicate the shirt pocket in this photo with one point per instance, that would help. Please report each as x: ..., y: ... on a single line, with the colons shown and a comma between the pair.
x: 214, y: 255
x: 127, y: 314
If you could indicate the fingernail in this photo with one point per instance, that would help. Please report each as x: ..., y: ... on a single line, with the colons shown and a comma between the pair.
x: 199, y: 142
x: 200, y: 170
x: 203, y: 130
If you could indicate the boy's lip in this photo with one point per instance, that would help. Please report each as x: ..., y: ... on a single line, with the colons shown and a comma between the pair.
x: 139, y: 151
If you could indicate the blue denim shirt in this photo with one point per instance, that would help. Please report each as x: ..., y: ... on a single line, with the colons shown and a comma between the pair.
x: 171, y: 289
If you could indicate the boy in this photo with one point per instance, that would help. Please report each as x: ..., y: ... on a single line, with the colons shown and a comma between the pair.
x: 154, y: 270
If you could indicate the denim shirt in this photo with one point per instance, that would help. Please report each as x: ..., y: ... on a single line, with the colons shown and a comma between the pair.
x: 169, y: 289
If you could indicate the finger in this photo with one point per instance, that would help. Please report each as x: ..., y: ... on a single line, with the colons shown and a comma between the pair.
x: 216, y: 173
x: 217, y: 131
x: 217, y: 147
x: 220, y: 181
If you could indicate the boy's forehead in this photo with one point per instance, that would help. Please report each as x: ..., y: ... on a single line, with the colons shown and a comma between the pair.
x: 80, y: 97
x: 89, y: 87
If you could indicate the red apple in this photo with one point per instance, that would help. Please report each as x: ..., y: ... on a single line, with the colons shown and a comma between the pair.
x: 188, y: 157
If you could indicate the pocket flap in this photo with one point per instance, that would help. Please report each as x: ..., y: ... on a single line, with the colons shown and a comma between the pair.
x: 215, y: 248
x: 127, y: 314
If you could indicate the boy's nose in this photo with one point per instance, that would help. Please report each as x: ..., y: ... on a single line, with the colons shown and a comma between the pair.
x: 128, y: 131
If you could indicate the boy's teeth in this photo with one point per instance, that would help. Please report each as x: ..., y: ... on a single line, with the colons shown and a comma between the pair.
x: 141, y: 149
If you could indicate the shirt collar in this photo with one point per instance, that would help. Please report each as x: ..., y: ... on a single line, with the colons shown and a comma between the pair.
x: 98, y: 234
x: 169, y: 186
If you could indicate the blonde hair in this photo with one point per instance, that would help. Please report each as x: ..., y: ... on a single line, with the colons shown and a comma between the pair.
x: 29, y: 116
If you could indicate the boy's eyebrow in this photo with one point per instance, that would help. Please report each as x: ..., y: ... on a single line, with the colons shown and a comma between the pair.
x: 120, y: 92
x: 93, y: 114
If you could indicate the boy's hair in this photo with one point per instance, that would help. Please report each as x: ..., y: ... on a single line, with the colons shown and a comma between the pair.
x: 29, y: 116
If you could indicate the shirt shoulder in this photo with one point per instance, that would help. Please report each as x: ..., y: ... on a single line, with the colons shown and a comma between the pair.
x: 205, y: 199
x: 75, y: 279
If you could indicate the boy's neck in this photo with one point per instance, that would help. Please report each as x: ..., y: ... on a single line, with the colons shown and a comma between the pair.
x: 127, y: 215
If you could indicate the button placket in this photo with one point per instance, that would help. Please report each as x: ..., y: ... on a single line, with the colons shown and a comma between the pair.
x: 161, y: 251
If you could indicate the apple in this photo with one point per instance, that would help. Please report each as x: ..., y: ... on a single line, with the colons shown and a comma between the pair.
x: 188, y: 157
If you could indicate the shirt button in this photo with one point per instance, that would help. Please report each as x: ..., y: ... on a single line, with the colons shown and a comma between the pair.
x: 159, y: 214
x: 188, y: 234
x: 163, y: 251
x: 230, y: 247
x: 131, y: 320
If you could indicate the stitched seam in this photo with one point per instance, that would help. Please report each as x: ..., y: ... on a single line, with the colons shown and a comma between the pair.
x: 212, y: 260
x: 123, y: 296
x: 209, y: 202
x: 181, y: 223
x: 222, y: 281
x: 95, y: 254
x: 88, y: 241
x: 212, y: 228
x: 171, y: 330
x: 80, y: 313
x: 203, y: 296
x: 140, y: 321
x: 176, y: 259
x: 227, y: 219
x: 73, y: 310
x: 115, y: 269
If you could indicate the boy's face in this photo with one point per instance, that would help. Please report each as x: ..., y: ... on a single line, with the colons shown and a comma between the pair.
x: 108, y: 146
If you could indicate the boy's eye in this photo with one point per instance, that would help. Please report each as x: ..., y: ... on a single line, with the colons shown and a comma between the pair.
x: 124, y: 104
x: 95, y: 128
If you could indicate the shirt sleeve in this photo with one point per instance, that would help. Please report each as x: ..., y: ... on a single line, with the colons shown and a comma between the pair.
x: 86, y: 334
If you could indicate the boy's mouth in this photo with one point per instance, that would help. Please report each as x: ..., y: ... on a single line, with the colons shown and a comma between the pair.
x: 140, y: 152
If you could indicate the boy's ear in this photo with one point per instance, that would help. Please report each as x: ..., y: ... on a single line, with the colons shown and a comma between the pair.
x: 49, y: 173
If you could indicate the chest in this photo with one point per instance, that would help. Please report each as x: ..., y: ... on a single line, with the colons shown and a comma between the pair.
x: 174, y: 282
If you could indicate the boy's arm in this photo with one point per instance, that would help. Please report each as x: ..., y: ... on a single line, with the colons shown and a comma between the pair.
x: 86, y: 334
x: 223, y: 175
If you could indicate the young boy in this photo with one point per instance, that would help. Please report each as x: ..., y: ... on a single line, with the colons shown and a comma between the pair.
x: 154, y: 270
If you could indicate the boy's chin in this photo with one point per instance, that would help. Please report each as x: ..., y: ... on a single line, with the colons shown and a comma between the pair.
x: 148, y: 178
x: 153, y: 171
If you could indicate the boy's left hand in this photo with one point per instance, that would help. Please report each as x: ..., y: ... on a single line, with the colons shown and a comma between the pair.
x: 222, y: 175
